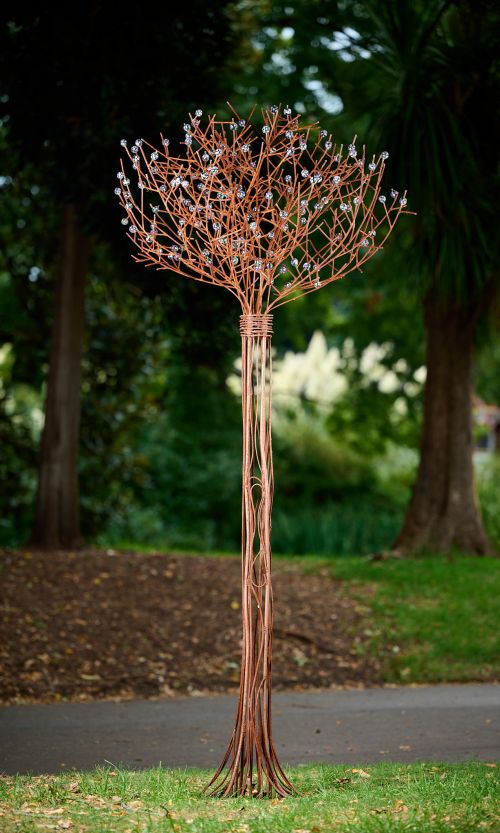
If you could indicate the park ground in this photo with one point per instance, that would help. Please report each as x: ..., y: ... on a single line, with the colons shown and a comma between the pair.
x: 90, y: 625
x: 120, y: 624
x: 428, y: 798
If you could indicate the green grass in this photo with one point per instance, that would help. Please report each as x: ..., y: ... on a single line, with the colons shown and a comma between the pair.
x: 430, y: 619
x: 428, y: 798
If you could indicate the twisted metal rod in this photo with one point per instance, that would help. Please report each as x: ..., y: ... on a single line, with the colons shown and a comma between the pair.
x: 250, y: 765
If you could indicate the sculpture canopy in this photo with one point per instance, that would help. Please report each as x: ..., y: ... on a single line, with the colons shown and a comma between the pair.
x: 269, y: 213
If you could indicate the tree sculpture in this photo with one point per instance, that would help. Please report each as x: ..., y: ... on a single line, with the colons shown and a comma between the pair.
x: 270, y: 215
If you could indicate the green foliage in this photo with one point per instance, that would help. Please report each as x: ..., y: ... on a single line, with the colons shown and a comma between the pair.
x: 488, y: 477
x: 383, y: 797
x: 123, y: 377
x: 359, y: 524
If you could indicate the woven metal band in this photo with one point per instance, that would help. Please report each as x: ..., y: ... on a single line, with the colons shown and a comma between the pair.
x: 256, y: 325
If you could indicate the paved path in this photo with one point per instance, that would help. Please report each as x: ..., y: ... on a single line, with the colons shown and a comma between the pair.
x: 440, y: 723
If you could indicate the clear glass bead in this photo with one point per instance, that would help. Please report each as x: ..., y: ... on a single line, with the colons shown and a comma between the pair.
x: 132, y: 229
x: 344, y: 206
x: 403, y: 201
x: 135, y: 148
x: 257, y: 265
x: 306, y: 266
x: 317, y: 283
x: 282, y: 269
x: 123, y: 143
x: 269, y: 195
x: 154, y: 156
x: 166, y: 142
x: 124, y: 221
x: 198, y: 113
x: 365, y: 242
x: 288, y: 285
x: 384, y: 155
x: 394, y: 193
x: 323, y: 133
x: 336, y: 179
x: 328, y: 145
x: 266, y: 129
x: 245, y: 148
x: 294, y: 261
x: 120, y: 175
x: 372, y: 166
x: 287, y: 111
x: 304, y: 173
x: 382, y: 198
x: 118, y: 191
x: 352, y: 151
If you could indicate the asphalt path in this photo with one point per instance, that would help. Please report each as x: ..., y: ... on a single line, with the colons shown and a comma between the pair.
x: 433, y: 723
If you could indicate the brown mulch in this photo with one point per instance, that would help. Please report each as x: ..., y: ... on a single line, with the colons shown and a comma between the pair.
x: 96, y: 625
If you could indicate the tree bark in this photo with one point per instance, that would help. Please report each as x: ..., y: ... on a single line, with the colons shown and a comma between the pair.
x: 443, y: 512
x: 57, y: 511
x: 250, y: 765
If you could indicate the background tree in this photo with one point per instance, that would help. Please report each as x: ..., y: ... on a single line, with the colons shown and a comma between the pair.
x: 433, y: 71
x: 66, y: 119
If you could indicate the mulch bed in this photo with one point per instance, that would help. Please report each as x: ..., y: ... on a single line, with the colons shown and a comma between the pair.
x: 101, y: 625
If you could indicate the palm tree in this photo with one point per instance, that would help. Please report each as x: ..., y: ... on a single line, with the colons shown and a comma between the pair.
x: 435, y: 63
x: 422, y: 79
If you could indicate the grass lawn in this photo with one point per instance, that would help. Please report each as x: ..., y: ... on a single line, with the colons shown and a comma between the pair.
x: 386, y: 797
x: 431, y: 619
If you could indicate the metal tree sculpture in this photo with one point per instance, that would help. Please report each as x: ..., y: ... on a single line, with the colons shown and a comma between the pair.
x: 268, y: 214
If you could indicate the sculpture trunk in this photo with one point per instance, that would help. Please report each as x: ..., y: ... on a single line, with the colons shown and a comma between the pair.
x: 250, y: 765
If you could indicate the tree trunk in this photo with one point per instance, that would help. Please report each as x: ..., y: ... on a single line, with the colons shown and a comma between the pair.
x: 57, y: 513
x: 443, y: 511
x: 250, y: 765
